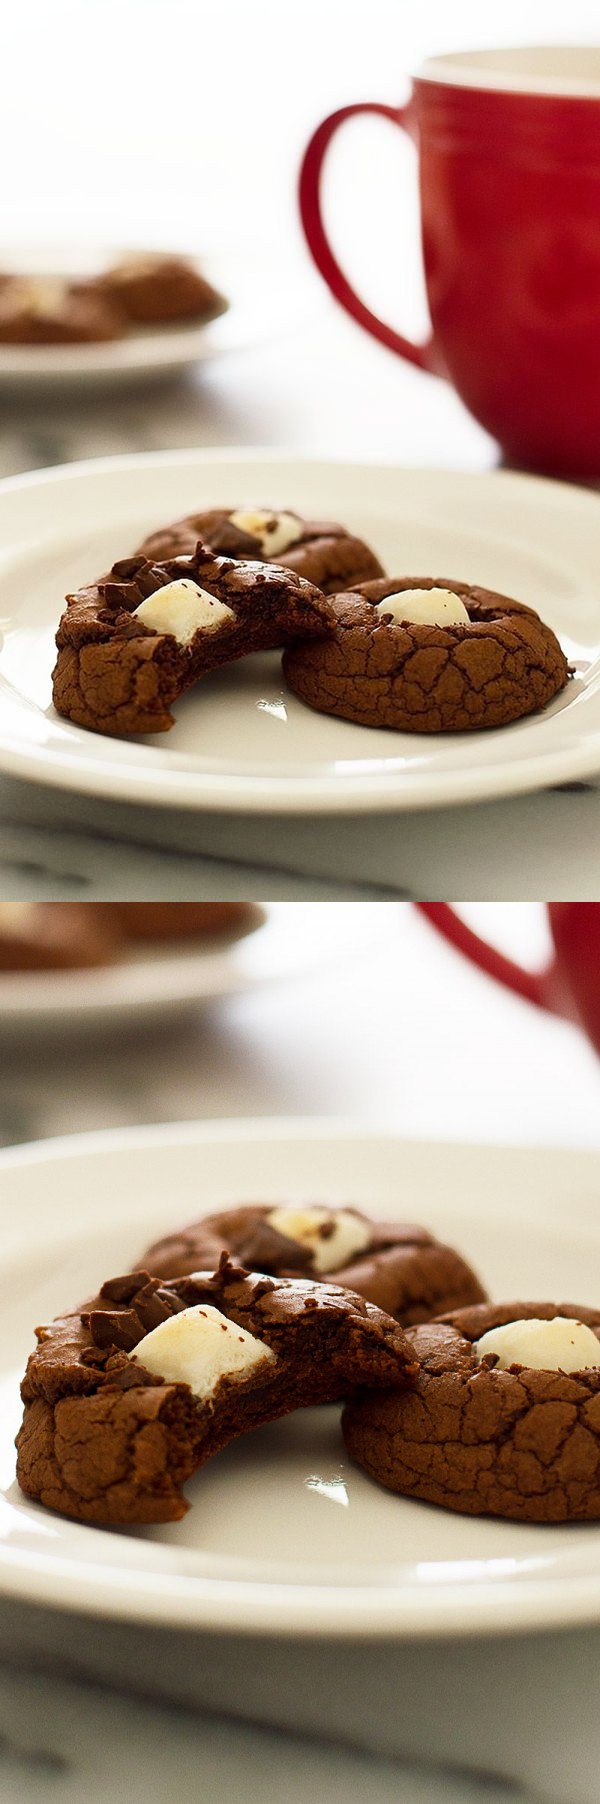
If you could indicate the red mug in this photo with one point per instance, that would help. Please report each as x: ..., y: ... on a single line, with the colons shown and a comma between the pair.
x: 569, y: 986
x: 509, y: 157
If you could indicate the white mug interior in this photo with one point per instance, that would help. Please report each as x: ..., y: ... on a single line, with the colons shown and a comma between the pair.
x: 561, y: 69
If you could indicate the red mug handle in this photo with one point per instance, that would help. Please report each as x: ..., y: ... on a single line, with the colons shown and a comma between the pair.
x: 543, y: 988
x: 425, y: 355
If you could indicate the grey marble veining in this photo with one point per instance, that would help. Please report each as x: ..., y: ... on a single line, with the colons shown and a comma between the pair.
x: 97, y: 1709
x: 545, y: 845
x: 62, y: 1743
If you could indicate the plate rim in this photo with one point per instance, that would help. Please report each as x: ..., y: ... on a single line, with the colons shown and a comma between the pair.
x: 199, y: 973
x: 160, y: 349
x: 287, y: 1611
x: 64, y: 994
x: 343, y: 793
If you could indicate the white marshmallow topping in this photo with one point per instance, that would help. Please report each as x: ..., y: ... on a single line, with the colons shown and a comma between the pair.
x: 424, y: 607
x: 182, y: 608
x: 345, y: 1234
x: 276, y: 532
x: 199, y: 1347
x: 560, y: 1345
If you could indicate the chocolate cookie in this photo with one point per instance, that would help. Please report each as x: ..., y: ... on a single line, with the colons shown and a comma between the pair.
x: 182, y: 920
x: 36, y: 310
x: 131, y: 643
x: 498, y: 1423
x: 159, y: 290
x: 126, y: 1398
x: 488, y: 661
x: 399, y: 1267
x: 54, y: 936
x: 325, y: 554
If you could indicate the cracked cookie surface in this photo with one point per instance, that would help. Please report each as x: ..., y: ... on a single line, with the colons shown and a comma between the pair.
x: 504, y: 664
x: 522, y: 1443
x: 324, y: 553
x: 401, y: 1268
x: 106, y: 1440
x: 116, y: 675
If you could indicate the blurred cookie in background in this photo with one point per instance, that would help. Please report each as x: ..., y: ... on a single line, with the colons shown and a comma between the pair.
x: 53, y: 936
x: 182, y: 920
x: 146, y: 289
x: 44, y: 310
x: 153, y: 288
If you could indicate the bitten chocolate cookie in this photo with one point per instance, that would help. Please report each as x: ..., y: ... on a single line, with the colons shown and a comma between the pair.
x: 504, y: 1418
x: 424, y: 654
x: 325, y: 554
x: 36, y: 310
x: 399, y: 1267
x: 153, y: 289
x: 125, y: 1399
x: 131, y: 643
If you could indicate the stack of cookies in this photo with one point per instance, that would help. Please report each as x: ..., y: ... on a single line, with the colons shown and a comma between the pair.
x: 73, y: 936
x: 147, y: 288
x: 411, y: 653
x: 256, y: 1311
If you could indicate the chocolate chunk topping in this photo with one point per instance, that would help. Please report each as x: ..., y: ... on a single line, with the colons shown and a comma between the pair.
x: 403, y: 1269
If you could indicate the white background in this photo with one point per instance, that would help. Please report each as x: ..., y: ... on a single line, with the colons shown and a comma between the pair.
x: 184, y: 120
x: 189, y: 115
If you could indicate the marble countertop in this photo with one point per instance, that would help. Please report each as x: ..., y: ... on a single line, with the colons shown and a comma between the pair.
x: 89, y: 1743
x: 65, y: 1736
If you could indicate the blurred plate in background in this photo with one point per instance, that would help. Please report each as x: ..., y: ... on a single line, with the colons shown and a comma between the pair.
x: 175, y: 976
x: 265, y: 303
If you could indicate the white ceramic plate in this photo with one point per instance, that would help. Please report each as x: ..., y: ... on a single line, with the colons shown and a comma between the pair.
x: 241, y: 740
x: 283, y: 1533
x: 165, y: 977
x: 262, y: 307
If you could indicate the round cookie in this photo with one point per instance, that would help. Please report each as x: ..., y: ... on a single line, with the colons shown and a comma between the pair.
x: 44, y: 310
x: 324, y: 553
x: 157, y: 289
x: 501, y: 663
x: 183, y: 920
x: 488, y: 1438
x: 55, y: 936
x: 396, y: 1265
